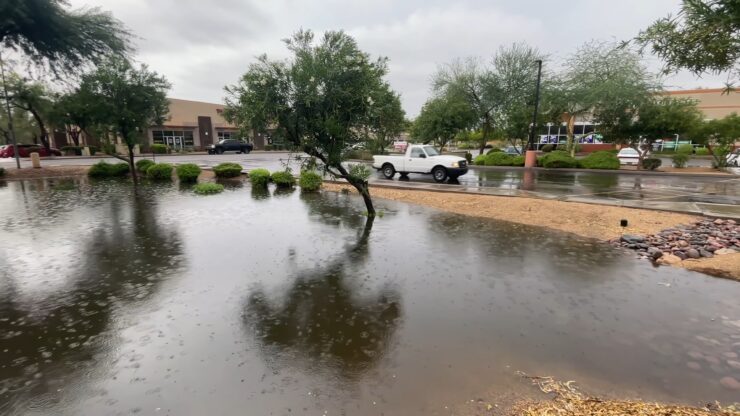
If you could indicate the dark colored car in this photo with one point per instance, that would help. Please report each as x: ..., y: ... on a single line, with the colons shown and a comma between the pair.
x: 25, y: 150
x: 230, y: 145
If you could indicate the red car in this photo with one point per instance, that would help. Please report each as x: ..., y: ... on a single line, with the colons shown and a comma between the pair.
x: 25, y: 150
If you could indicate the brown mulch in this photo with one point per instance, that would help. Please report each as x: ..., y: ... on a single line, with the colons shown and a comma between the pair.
x: 45, y: 172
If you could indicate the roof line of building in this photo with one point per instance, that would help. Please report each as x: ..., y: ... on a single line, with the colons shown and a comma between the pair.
x: 697, y: 91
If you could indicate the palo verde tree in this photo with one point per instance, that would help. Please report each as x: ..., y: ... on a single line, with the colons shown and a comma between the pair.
x: 704, y: 37
x: 125, y: 101
x: 719, y: 135
x: 321, y: 99
x: 441, y: 120
x: 494, y: 90
x: 73, y: 112
x: 49, y: 34
x: 33, y: 98
x: 386, y: 119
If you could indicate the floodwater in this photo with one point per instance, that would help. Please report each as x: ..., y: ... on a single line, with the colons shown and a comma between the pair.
x: 158, y: 301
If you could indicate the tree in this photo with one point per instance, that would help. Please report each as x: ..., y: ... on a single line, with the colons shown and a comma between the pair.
x: 704, y: 37
x: 25, y: 128
x: 49, y: 34
x: 74, y: 112
x: 320, y: 100
x: 605, y: 83
x: 34, y: 98
x: 492, y: 91
x: 441, y: 120
x: 386, y: 119
x: 720, y: 136
x: 125, y: 101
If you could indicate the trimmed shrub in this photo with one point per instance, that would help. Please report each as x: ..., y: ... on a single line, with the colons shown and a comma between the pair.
x: 548, y: 148
x: 702, y: 151
x: 494, y: 150
x: 188, y: 172
x: 517, y: 160
x: 651, y: 163
x: 227, y: 170
x: 159, y: 171
x: 259, y: 177
x: 159, y: 148
x: 680, y: 160
x: 685, y: 149
x: 143, y: 164
x: 310, y: 181
x: 283, y: 179
x: 498, y: 159
x: 558, y: 159
x: 600, y: 160
x: 479, y: 160
x: 208, y: 188
x: 106, y: 170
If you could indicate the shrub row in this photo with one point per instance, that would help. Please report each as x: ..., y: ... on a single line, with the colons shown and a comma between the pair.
x: 159, y: 148
x: 107, y: 170
x: 600, y: 160
x: 498, y: 158
x: 557, y: 159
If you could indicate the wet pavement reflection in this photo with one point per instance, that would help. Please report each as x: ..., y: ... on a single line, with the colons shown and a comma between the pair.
x: 158, y: 301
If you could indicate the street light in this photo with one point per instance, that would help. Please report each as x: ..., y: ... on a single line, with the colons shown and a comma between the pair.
x: 536, y: 106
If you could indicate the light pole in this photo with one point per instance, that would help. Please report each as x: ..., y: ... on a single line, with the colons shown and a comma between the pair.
x: 10, y: 115
x: 536, y: 106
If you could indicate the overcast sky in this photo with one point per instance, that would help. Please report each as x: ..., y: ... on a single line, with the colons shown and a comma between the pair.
x: 201, y: 45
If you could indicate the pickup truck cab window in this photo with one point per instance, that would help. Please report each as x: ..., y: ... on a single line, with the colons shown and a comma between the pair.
x: 431, y: 151
x: 417, y: 152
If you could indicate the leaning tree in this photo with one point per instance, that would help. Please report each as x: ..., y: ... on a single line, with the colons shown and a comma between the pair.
x: 321, y: 100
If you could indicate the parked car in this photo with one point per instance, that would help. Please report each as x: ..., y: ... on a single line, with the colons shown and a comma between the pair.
x: 628, y: 156
x: 421, y: 159
x: 25, y: 150
x: 230, y: 145
x: 513, y: 150
x: 733, y: 159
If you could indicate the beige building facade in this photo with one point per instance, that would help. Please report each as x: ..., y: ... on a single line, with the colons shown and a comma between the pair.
x: 192, y: 125
x: 713, y: 102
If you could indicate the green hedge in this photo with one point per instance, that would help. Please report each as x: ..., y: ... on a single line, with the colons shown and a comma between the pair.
x: 498, y: 159
x: 259, y: 177
x: 685, y: 149
x: 159, y: 171
x: 651, y: 163
x: 479, y: 160
x: 517, y: 160
x: 159, y: 148
x: 680, y: 160
x: 107, y: 170
x: 310, y: 181
x: 188, y: 172
x: 558, y: 159
x: 143, y: 164
x: 548, y: 148
x: 702, y: 151
x: 208, y: 188
x: 494, y: 150
x: 227, y: 170
x: 600, y: 160
x: 283, y: 179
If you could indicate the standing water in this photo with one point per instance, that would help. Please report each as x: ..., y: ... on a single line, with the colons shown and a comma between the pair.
x: 156, y: 301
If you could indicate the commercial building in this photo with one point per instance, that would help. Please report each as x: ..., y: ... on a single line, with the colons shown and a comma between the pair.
x: 713, y: 102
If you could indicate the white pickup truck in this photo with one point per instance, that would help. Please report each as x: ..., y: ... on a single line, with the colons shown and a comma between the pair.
x: 421, y: 159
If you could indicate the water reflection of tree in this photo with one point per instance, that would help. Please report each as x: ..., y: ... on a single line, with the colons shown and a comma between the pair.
x: 322, y: 323
x: 123, y: 261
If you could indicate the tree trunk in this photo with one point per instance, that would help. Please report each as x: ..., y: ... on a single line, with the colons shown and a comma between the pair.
x: 75, y: 135
x: 359, y: 184
x: 131, y: 164
x: 570, y: 127
x: 42, y: 127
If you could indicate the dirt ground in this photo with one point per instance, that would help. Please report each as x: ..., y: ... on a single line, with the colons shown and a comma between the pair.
x: 588, y: 220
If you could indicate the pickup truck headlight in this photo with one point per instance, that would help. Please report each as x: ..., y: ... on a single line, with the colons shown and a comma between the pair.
x: 455, y: 164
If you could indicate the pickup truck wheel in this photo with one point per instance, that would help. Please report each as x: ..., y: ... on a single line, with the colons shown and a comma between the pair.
x: 219, y: 151
x: 246, y: 151
x: 439, y: 173
x: 388, y: 171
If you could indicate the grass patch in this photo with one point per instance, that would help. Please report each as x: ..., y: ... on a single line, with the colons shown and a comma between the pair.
x: 208, y: 188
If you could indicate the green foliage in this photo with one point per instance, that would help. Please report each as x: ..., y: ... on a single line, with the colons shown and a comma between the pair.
x: 259, y: 177
x: 229, y: 170
x: 702, y: 151
x: 480, y: 160
x: 360, y: 171
x: 494, y: 150
x: 686, y: 149
x: 310, y: 181
x: 517, y: 160
x: 702, y: 38
x: 159, y: 171
x: 720, y: 136
x: 468, y: 157
x: 69, y: 39
x: 107, y: 170
x: 600, y: 160
x: 651, y: 163
x: 680, y: 160
x: 498, y: 159
x: 358, y: 154
x: 283, y: 179
x: 441, y: 120
x: 548, y: 148
x: 143, y: 164
x: 33, y: 99
x: 188, y: 172
x: 159, y: 148
x: 208, y: 188
x: 558, y: 159
x: 661, y: 117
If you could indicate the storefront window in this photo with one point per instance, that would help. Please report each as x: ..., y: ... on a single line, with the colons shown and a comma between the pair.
x: 176, y: 139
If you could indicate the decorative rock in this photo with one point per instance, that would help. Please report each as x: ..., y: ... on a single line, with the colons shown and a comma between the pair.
x: 683, y: 243
x: 719, y: 221
x: 694, y: 365
x: 695, y: 355
x: 723, y: 251
x: 730, y: 354
x: 730, y: 383
x: 633, y: 239
x: 711, y: 360
x: 734, y: 364
x: 669, y: 259
x: 706, y: 254
x: 681, y: 255
x: 654, y: 252
x: 693, y: 253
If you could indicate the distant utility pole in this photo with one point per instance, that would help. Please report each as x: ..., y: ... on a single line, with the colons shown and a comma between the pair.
x: 10, y: 115
x: 531, y: 145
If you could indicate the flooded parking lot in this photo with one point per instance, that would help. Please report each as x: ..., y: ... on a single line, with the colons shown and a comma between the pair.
x: 157, y: 301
